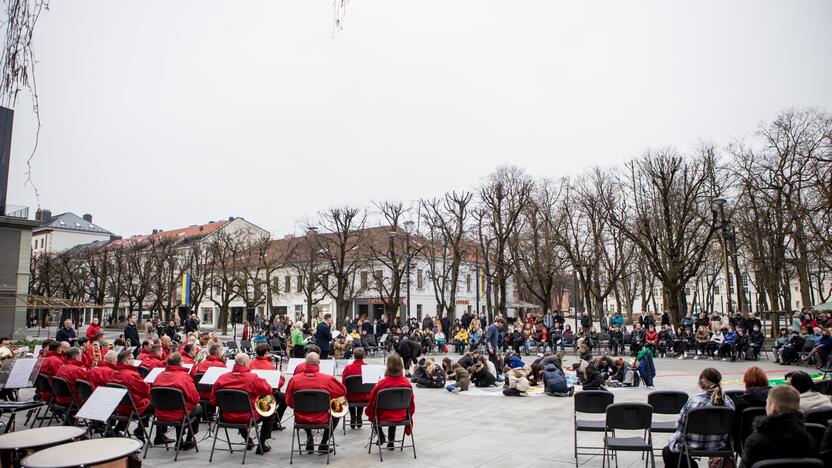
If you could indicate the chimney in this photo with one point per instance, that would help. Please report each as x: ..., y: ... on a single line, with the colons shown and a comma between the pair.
x: 45, y: 216
x: 231, y: 218
x: 201, y: 228
x: 155, y: 231
x: 88, y: 218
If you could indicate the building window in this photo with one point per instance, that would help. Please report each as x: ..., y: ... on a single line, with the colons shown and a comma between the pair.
x: 299, y: 284
x: 276, y: 283
x: 364, y: 280
x: 468, y: 283
x: 419, y: 311
x: 745, y: 280
x: 420, y: 282
x: 287, y: 284
x: 325, y: 281
x: 378, y: 278
x: 298, y: 312
x: 730, y: 285
x: 716, y: 290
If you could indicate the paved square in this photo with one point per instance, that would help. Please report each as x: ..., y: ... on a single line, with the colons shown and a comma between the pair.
x: 481, y: 430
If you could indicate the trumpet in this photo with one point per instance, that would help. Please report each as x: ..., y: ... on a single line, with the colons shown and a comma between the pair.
x: 338, y: 407
x: 265, y: 405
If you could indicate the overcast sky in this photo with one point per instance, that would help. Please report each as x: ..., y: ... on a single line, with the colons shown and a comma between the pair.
x: 165, y: 114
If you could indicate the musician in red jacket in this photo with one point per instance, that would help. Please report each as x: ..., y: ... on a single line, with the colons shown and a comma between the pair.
x: 153, y: 359
x: 188, y: 353
x: 52, y: 362
x: 144, y: 351
x: 128, y: 375
x: 93, y: 329
x: 103, y: 373
x: 241, y: 378
x: 176, y: 376
x: 312, y: 379
x: 354, y: 368
x: 393, y: 378
x: 72, y: 370
x: 264, y: 361
x: 213, y: 359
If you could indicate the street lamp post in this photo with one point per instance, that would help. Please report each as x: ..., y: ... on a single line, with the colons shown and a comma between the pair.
x: 408, y: 226
x: 718, y: 205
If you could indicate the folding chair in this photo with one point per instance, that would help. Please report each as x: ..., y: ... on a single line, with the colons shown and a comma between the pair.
x: 245, y: 345
x: 391, y: 399
x: 816, y: 431
x: 355, y: 384
x: 708, y: 421
x: 42, y: 385
x: 747, y: 418
x: 232, y: 346
x: 789, y: 463
x: 143, y: 371
x: 819, y: 417
x: 60, y: 388
x: 808, y: 345
x: 732, y: 394
x: 169, y: 399
x: 630, y: 417
x: 666, y: 402
x: 206, y: 405
x: 85, y: 389
x: 127, y: 399
x: 590, y: 402
x: 604, y: 342
x: 235, y: 401
x: 311, y: 401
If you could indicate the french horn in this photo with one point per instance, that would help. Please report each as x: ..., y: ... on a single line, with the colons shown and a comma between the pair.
x: 338, y: 407
x: 265, y: 405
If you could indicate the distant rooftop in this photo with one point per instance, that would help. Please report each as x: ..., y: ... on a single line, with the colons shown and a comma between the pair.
x: 72, y: 222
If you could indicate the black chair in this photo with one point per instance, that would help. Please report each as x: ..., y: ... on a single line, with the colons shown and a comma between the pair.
x: 391, y: 399
x: 143, y: 371
x: 629, y: 417
x: 824, y: 386
x: 231, y: 345
x: 311, y: 401
x: 169, y: 399
x: 85, y: 390
x: 666, y: 402
x: 245, y: 345
x: 816, y: 431
x: 789, y: 463
x: 732, y: 394
x: 747, y: 418
x: 708, y: 421
x: 60, y: 388
x: 42, y: 385
x: 603, y: 342
x: 234, y: 401
x: 590, y: 402
x: 819, y: 417
x: 127, y: 399
x: 205, y: 404
x: 354, y: 384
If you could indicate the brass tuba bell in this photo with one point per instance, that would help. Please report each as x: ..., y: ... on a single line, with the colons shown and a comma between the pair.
x: 265, y: 405
x: 338, y: 407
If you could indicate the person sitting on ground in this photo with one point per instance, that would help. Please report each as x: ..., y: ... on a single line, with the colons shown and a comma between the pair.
x: 517, y: 383
x: 710, y: 381
x: 429, y: 375
x: 810, y: 398
x: 480, y: 375
x: 463, y: 380
x: 554, y: 380
x: 781, y: 433
x: 448, y: 368
x: 591, y: 378
x: 393, y: 378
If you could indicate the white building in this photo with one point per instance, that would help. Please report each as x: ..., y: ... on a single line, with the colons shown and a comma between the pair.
x: 65, y: 231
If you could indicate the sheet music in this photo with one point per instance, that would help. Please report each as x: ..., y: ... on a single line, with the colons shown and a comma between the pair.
x: 328, y: 367
x: 22, y: 349
x: 212, y: 374
x: 229, y: 364
x: 336, y: 334
x: 118, y: 349
x: 371, y: 374
x: 136, y: 363
x: 151, y: 376
x: 340, y: 364
x: 20, y: 373
x: 383, y: 338
x: 37, y: 350
x: 293, y: 363
x: 270, y: 376
x: 101, y: 404
x: 187, y: 366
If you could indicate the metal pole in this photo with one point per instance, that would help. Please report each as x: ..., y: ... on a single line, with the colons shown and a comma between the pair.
x: 407, y: 242
x: 725, y: 257
x: 477, y: 300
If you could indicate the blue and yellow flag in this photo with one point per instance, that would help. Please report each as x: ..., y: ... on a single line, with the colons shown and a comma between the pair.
x: 186, y: 289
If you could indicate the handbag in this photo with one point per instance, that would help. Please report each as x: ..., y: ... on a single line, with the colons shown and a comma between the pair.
x: 720, y: 462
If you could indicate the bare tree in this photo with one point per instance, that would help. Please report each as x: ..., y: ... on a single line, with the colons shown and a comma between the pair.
x: 342, y: 235
x: 386, y: 246
x: 444, y: 245
x: 306, y: 257
x: 225, y: 251
x: 163, y: 253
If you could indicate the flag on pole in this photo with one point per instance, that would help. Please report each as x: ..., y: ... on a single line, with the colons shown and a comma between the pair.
x: 186, y: 289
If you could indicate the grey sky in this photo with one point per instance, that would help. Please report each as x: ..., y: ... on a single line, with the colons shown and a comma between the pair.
x: 164, y: 114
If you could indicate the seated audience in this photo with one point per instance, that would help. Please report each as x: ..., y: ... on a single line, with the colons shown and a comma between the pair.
x: 781, y: 433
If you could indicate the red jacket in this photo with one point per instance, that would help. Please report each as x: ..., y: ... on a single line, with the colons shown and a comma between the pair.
x: 389, y: 415
x: 87, y: 356
x: 312, y: 379
x: 52, y: 363
x: 101, y: 375
x: 150, y: 361
x: 128, y: 375
x: 210, y: 361
x: 93, y: 330
x: 177, y: 377
x: 241, y: 378
x: 71, y: 371
x: 266, y: 363
x: 354, y: 368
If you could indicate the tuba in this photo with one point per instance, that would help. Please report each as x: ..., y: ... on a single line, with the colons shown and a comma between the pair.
x: 200, y: 356
x: 338, y: 407
x: 96, y: 354
x: 265, y: 405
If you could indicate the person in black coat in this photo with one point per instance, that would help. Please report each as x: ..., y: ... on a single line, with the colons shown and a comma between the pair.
x: 409, y: 352
x: 131, y: 333
x: 781, y: 434
x: 66, y: 333
x: 323, y: 335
